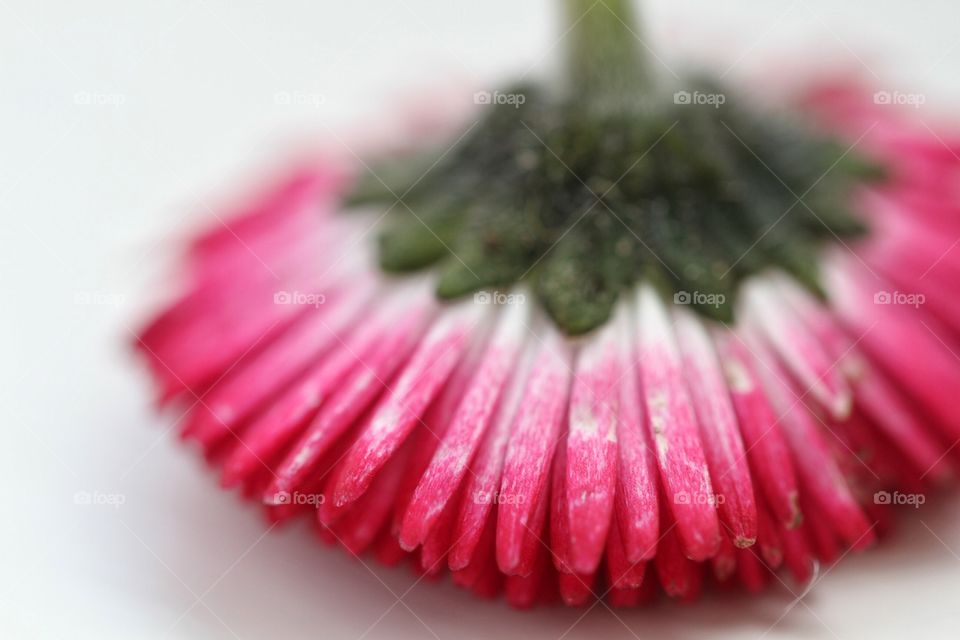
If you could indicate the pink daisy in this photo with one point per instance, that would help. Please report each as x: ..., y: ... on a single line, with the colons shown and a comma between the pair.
x: 600, y: 349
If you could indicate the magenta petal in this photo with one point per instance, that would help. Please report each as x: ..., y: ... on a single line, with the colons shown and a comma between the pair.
x: 816, y: 467
x: 531, y: 445
x: 767, y: 450
x: 591, y: 469
x: 406, y: 400
x: 636, y: 501
x: 675, y: 432
x: 719, y: 431
x: 452, y: 458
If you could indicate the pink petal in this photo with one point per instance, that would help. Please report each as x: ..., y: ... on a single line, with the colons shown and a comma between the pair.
x: 483, y: 481
x: 719, y: 430
x: 911, y: 347
x: 797, y: 347
x: 452, y: 459
x: 636, y: 501
x: 591, y: 456
x: 621, y: 573
x: 673, y: 424
x: 531, y: 445
x: 767, y: 450
x: 401, y: 409
x: 354, y: 395
x: 816, y: 468
x: 249, y: 384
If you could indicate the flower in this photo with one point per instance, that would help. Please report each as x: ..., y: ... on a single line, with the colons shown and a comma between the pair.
x: 531, y: 449
x: 474, y: 437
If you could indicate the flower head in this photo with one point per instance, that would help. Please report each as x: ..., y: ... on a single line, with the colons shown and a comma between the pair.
x: 705, y: 392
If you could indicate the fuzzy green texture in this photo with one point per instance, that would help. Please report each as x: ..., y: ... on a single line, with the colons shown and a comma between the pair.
x: 584, y: 193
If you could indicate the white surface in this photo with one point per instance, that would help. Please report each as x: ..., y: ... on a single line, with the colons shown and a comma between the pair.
x: 90, y: 195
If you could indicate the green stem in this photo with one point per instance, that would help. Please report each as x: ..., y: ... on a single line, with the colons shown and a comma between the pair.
x: 605, y: 64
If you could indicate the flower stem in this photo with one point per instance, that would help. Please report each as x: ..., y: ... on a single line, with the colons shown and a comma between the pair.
x: 605, y: 66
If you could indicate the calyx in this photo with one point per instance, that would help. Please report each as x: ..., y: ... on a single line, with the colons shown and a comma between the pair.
x: 583, y: 189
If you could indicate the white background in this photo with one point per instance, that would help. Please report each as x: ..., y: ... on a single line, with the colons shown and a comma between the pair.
x: 93, y: 196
